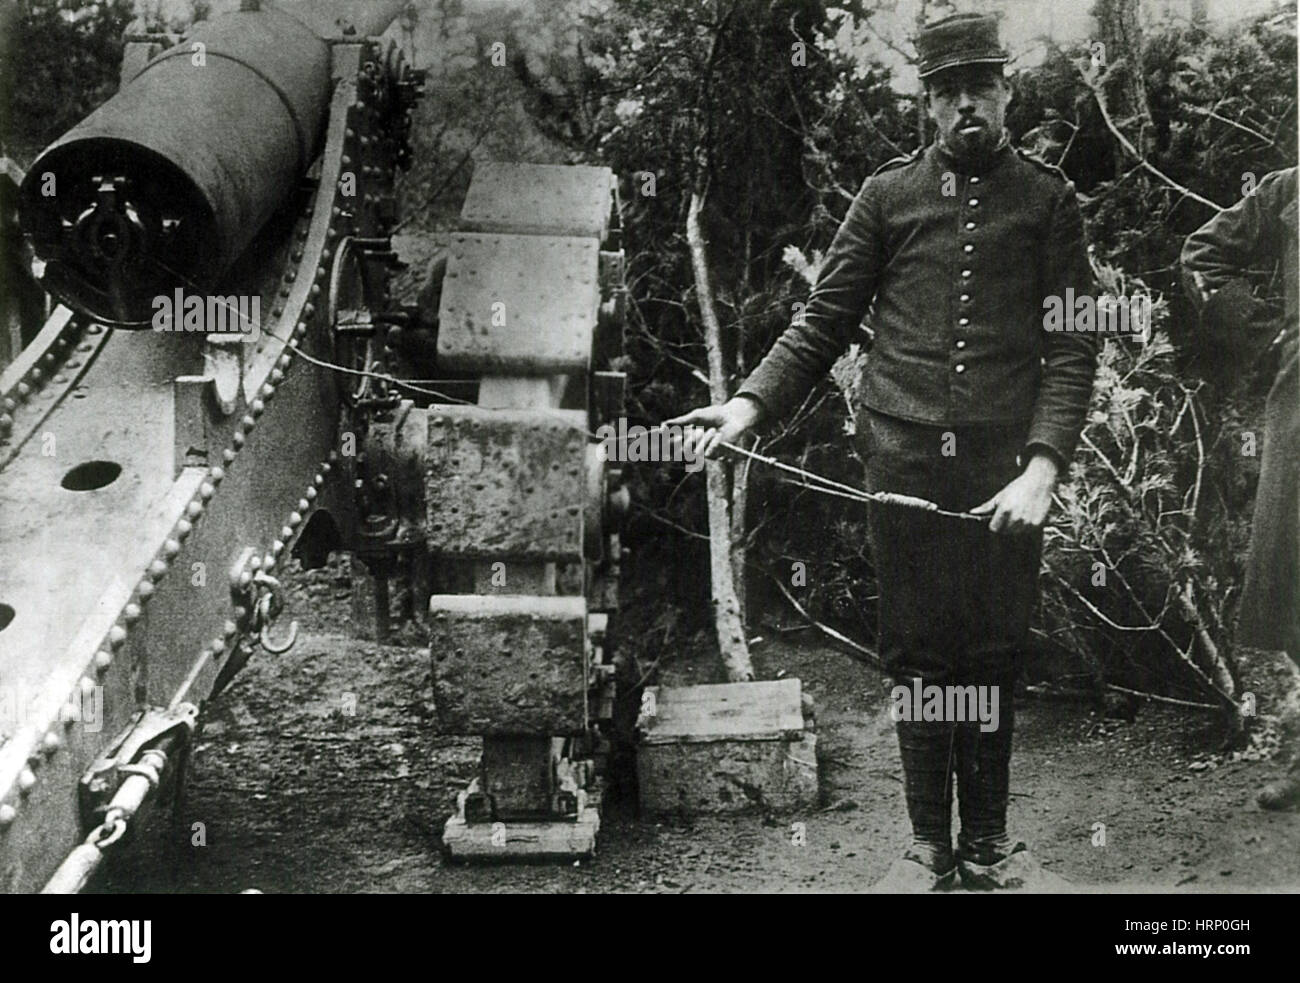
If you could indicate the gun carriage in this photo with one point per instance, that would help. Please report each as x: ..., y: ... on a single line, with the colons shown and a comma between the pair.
x: 156, y: 479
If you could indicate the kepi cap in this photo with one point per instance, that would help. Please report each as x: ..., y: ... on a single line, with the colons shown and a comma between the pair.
x: 962, y: 39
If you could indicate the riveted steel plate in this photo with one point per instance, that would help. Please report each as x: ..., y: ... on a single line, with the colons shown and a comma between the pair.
x: 505, y: 484
x: 539, y: 199
x: 508, y: 664
x: 518, y: 305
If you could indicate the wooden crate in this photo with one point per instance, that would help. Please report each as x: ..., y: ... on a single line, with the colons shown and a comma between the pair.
x: 728, y: 747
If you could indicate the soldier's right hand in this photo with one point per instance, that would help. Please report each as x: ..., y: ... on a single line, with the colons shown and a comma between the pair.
x: 719, y: 424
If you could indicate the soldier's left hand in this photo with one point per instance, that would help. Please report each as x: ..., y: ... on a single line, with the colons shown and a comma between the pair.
x: 1022, y: 506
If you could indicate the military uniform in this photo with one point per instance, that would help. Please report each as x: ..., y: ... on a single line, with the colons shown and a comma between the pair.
x: 951, y: 264
x: 1262, y: 227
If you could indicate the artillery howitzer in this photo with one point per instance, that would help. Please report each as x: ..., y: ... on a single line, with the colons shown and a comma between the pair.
x: 226, y: 379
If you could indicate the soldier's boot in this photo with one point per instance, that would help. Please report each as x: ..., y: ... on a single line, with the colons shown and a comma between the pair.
x: 1277, y: 672
x: 988, y: 859
x: 928, y: 864
x: 1283, y: 794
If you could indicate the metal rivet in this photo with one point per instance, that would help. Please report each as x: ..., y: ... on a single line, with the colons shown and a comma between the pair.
x: 258, y: 407
x: 7, y: 815
x: 156, y: 569
x: 145, y: 591
x: 103, y: 659
x: 26, y: 779
x: 52, y: 742
x: 206, y: 491
x: 194, y: 509
x: 131, y: 613
x: 228, y: 457
x: 237, y: 439
x: 116, y: 637
x: 216, y: 474
x: 183, y: 529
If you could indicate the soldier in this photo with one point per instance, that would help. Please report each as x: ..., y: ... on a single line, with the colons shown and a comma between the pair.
x: 969, y: 402
x: 1262, y: 228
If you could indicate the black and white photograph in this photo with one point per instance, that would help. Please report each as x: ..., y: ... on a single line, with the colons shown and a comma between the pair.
x: 624, y: 447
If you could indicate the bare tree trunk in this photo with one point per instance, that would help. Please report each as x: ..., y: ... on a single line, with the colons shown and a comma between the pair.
x: 727, y: 614
x: 922, y: 16
x: 739, y: 502
x: 1121, y: 32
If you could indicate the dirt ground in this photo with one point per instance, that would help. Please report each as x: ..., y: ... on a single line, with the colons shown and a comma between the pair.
x: 320, y: 771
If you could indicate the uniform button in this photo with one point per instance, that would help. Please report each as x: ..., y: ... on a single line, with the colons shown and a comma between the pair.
x: 974, y: 202
x: 970, y: 226
x: 965, y: 274
x: 968, y: 248
x: 965, y: 298
x: 959, y: 368
x: 961, y: 343
x: 963, y: 321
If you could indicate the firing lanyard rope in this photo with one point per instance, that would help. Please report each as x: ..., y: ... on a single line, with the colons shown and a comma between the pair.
x: 808, y: 479
x: 828, y: 487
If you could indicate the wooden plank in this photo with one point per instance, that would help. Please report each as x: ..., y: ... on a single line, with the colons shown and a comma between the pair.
x: 769, y: 710
x: 553, y: 839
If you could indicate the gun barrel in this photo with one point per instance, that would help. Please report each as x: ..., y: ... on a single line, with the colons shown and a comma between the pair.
x: 166, y: 184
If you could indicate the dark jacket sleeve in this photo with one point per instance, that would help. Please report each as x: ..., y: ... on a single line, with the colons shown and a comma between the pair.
x: 1069, y: 358
x: 808, y: 348
x: 1220, y: 250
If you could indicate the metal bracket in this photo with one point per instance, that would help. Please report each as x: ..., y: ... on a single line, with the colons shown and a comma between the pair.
x: 258, y: 599
x: 147, y: 728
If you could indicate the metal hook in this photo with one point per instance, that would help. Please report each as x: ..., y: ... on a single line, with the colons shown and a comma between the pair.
x: 278, y: 649
x: 271, y: 604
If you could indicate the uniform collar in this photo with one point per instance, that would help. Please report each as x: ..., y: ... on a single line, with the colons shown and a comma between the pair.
x: 946, y: 158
